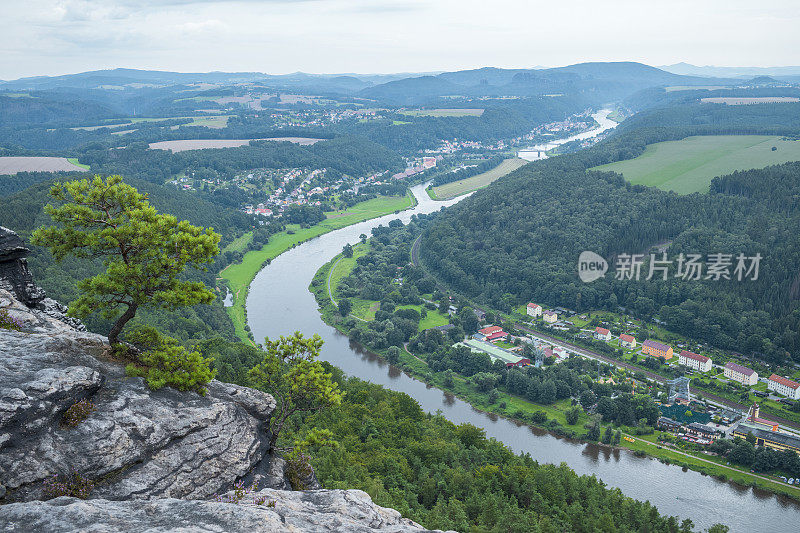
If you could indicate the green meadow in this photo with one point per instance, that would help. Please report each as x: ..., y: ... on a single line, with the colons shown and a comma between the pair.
x: 689, y: 165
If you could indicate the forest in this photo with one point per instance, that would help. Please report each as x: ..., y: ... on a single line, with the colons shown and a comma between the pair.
x: 519, y: 239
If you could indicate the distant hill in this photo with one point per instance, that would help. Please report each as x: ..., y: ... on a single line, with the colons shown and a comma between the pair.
x: 599, y: 81
x: 731, y: 72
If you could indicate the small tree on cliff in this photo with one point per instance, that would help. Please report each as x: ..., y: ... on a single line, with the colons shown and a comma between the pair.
x: 291, y: 373
x: 143, y: 251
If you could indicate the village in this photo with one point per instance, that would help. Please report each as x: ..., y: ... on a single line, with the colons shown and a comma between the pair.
x: 688, y: 421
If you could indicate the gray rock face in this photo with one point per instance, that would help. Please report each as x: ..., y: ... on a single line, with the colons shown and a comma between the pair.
x: 140, y: 443
x: 281, y: 511
x: 14, y: 273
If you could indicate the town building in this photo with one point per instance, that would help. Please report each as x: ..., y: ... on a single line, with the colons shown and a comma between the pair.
x: 784, y: 386
x: 667, y: 424
x: 534, y: 310
x: 695, y: 361
x: 697, y: 429
x: 602, y: 334
x: 656, y: 349
x: 551, y: 317
x: 742, y: 374
x: 628, y: 341
x: 491, y: 334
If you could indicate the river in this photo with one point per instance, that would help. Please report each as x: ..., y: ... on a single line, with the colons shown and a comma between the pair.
x: 539, y: 151
x: 279, y: 303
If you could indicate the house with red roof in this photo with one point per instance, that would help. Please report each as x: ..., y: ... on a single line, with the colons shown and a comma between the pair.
x: 742, y: 374
x: 656, y: 349
x: 695, y: 361
x: 628, y: 341
x: 492, y: 333
x: 602, y: 334
x: 784, y: 386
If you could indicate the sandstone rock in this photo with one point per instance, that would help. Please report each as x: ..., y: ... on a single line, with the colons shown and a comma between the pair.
x: 141, y: 443
x: 281, y: 511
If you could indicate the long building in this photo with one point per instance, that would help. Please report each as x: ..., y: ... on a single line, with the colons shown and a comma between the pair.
x: 656, y: 349
x: 742, y: 374
x: 769, y: 439
x: 496, y: 353
x: 784, y: 386
x: 694, y: 360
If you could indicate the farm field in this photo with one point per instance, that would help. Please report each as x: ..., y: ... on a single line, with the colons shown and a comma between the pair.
x: 442, y: 112
x: 201, y: 144
x: 239, y: 275
x: 12, y: 165
x: 457, y: 188
x: 689, y: 165
x: 732, y: 100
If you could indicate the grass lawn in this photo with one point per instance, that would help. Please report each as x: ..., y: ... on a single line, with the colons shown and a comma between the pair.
x: 689, y: 165
x: 74, y: 161
x: 457, y: 188
x: 239, y: 275
x: 344, y: 265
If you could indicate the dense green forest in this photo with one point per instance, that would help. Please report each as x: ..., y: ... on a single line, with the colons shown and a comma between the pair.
x: 519, y: 239
x: 444, y: 475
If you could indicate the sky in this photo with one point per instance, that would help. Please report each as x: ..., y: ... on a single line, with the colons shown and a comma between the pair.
x: 50, y: 37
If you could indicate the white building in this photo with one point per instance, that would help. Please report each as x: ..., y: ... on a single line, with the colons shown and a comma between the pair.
x: 534, y: 310
x: 742, y: 374
x: 786, y: 387
x: 695, y: 361
x: 628, y: 341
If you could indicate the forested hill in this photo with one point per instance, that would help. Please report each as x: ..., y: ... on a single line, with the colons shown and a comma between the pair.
x: 519, y: 239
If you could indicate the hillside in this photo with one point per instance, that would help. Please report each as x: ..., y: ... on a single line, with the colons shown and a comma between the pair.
x: 518, y: 239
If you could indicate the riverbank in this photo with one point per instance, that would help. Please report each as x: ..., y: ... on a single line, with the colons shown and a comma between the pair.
x: 551, y: 418
x: 238, y: 276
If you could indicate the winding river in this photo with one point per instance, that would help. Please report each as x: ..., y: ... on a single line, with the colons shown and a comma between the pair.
x: 279, y: 303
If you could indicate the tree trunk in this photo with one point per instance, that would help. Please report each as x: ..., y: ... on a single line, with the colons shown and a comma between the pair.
x: 113, y: 335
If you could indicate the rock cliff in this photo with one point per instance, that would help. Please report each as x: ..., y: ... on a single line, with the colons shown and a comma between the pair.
x: 155, y: 460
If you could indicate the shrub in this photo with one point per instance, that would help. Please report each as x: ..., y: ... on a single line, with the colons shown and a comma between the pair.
x: 77, y: 413
x: 9, y: 322
x: 298, y: 469
x: 539, y: 417
x: 74, y: 485
x: 164, y: 362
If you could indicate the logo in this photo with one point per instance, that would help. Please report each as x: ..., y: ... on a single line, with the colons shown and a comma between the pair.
x: 591, y: 266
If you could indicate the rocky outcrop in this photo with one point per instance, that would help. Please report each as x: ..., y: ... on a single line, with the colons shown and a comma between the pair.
x: 16, y: 279
x: 275, y: 511
x: 137, y: 443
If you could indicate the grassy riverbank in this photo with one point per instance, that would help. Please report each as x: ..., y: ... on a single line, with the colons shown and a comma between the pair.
x: 239, y: 276
x: 550, y: 417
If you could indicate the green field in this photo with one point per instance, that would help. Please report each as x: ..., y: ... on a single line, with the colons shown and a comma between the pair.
x: 240, y: 275
x: 74, y: 161
x: 689, y: 165
x: 457, y: 188
x: 442, y: 112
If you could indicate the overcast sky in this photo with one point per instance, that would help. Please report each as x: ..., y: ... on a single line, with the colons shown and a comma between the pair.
x: 46, y: 37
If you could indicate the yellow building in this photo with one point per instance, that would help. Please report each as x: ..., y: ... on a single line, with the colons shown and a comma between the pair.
x: 656, y: 349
